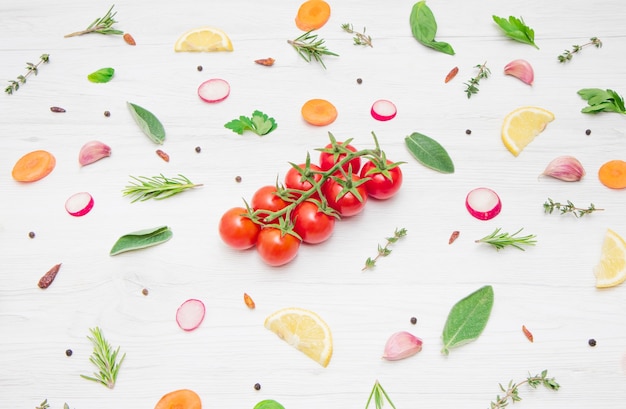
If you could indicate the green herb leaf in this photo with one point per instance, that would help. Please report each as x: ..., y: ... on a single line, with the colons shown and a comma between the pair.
x: 149, y: 124
x: 515, y: 29
x: 102, y: 75
x: 268, y: 404
x: 141, y: 239
x: 429, y: 152
x: 600, y: 100
x: 424, y: 28
x: 259, y: 123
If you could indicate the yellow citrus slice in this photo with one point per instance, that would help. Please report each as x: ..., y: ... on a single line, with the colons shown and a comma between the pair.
x: 305, y: 331
x: 611, y: 270
x: 204, y: 39
x: 522, y: 125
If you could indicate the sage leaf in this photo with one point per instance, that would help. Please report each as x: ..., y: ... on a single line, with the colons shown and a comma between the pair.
x: 149, y: 124
x: 467, y: 318
x: 429, y: 152
x: 424, y: 28
x: 268, y: 404
x: 141, y: 239
x: 102, y: 75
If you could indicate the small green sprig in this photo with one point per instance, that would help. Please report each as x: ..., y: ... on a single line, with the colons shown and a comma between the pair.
x: 102, y: 25
x: 472, y: 84
x: 378, y: 393
x: 105, y: 358
x: 501, y: 240
x: 31, y: 68
x: 311, y: 48
x: 157, y: 187
x: 549, y: 206
x: 359, y: 38
x: 511, y: 392
x: 43, y: 405
x: 384, y: 251
x: 568, y: 54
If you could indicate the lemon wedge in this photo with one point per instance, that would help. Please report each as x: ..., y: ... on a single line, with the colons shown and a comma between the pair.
x: 204, y: 39
x: 611, y: 270
x: 522, y: 125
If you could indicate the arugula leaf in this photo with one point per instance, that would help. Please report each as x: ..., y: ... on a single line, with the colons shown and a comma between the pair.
x: 600, y: 100
x: 259, y: 123
x: 516, y: 29
x: 424, y: 28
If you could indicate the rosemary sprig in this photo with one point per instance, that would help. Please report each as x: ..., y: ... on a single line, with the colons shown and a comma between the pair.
x: 568, y: 54
x: 384, y: 251
x: 549, y: 206
x: 511, y: 392
x: 378, y: 393
x: 102, y: 25
x: 157, y: 187
x: 501, y: 240
x: 472, y: 84
x: 359, y: 38
x: 311, y: 48
x: 31, y: 68
x: 105, y: 358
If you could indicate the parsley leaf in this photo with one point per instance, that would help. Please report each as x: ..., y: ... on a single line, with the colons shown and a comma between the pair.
x: 516, y: 29
x: 259, y: 123
x: 600, y: 100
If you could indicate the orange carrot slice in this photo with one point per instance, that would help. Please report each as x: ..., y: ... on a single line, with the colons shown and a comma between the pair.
x: 312, y: 15
x: 613, y: 174
x: 319, y: 112
x: 180, y: 399
x: 33, y: 166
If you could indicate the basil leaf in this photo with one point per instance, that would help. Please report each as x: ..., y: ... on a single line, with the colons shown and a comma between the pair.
x: 467, y: 318
x: 268, y: 404
x: 424, y: 28
x: 102, y: 75
x: 149, y: 124
x: 429, y: 152
x: 141, y: 239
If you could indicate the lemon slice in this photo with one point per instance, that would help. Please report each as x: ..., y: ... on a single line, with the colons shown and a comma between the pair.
x: 204, y: 39
x: 611, y: 270
x: 305, y: 331
x: 522, y: 125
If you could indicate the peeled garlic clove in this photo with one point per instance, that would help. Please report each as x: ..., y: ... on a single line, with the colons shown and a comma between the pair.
x: 566, y: 168
x: 93, y: 151
x: 520, y: 69
x: 402, y: 345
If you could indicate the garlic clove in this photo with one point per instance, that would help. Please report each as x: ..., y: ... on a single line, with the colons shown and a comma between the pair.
x: 402, y: 345
x: 520, y: 69
x: 566, y: 168
x: 92, y: 152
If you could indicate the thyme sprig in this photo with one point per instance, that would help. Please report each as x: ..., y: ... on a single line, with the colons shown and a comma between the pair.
x: 359, y: 38
x: 157, y: 187
x: 384, y: 251
x: 102, y: 25
x: 378, y: 393
x: 549, y: 206
x: 568, y: 54
x: 105, y: 358
x: 31, y: 68
x: 311, y: 48
x: 501, y: 240
x: 511, y: 392
x: 472, y: 84
x: 45, y: 405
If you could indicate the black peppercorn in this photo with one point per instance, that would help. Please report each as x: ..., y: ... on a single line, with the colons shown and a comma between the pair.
x: 592, y: 342
x: 31, y: 234
x: 413, y: 320
x: 359, y: 81
x: 107, y: 114
x: 198, y: 149
x: 257, y: 386
x: 144, y: 291
x: 68, y: 352
x: 238, y: 179
x: 199, y: 68
x: 468, y: 131
x: 588, y: 132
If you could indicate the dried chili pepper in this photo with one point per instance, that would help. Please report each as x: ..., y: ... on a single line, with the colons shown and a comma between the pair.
x: 248, y: 300
x: 268, y: 62
x: 48, y: 278
x: 129, y: 39
x: 453, y: 72
x: 57, y: 109
x: 453, y: 236
x: 528, y: 334
x: 163, y: 155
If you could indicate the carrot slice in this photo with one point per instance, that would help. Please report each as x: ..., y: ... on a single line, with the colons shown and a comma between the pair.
x: 319, y: 112
x: 180, y: 399
x: 312, y: 15
x: 613, y: 174
x: 33, y: 166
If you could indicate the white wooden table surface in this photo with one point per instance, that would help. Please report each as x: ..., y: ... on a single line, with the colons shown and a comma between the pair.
x: 549, y: 288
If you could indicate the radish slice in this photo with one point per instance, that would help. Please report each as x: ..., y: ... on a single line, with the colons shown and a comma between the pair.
x: 483, y: 203
x: 190, y: 314
x: 383, y: 110
x: 79, y: 204
x: 214, y: 90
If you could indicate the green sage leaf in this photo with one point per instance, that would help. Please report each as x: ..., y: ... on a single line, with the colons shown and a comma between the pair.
x: 149, y: 124
x: 429, y: 152
x: 424, y: 28
x: 141, y: 239
x: 268, y: 404
x: 102, y: 75
x: 467, y: 318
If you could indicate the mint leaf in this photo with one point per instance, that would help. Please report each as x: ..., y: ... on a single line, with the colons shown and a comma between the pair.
x: 600, y: 100
x: 429, y: 152
x: 259, y: 123
x: 102, y: 75
x: 516, y: 29
x: 424, y: 28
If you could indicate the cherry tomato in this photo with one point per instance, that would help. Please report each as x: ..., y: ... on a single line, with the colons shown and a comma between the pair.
x: 348, y: 204
x: 237, y: 230
x: 296, y: 180
x: 267, y: 199
x: 333, y: 155
x: 312, y: 225
x: 275, y: 247
x: 380, y: 186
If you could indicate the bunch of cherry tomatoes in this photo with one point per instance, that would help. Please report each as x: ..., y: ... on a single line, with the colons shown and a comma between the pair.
x: 314, y: 196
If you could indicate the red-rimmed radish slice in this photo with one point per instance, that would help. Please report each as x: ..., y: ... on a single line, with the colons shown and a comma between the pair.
x: 383, y: 110
x: 214, y: 90
x: 483, y: 203
x: 190, y: 314
x: 79, y: 204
